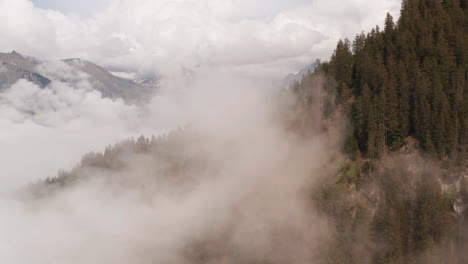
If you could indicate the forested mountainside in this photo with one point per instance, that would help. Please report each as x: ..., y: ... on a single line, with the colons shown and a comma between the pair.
x: 404, y: 90
x: 169, y: 151
x: 408, y: 79
x: 235, y: 198
x: 395, y: 211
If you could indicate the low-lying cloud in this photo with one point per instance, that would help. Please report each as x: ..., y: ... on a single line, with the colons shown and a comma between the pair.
x: 246, y: 201
x: 246, y: 198
x: 43, y: 130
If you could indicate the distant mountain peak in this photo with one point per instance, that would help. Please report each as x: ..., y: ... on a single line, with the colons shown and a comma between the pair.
x: 18, y: 67
x: 291, y: 78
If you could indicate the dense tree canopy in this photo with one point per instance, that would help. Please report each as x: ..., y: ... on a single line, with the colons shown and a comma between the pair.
x: 409, y: 79
x: 403, y: 82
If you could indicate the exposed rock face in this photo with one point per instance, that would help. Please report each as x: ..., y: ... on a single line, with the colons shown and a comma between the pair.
x: 10, y: 73
x: 14, y: 66
x: 110, y: 85
x: 406, y: 167
x: 149, y: 82
x: 20, y: 61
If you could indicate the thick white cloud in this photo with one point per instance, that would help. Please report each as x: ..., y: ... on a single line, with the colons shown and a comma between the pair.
x: 44, y: 130
x: 256, y: 171
x: 50, y: 129
x: 238, y: 191
x: 275, y: 37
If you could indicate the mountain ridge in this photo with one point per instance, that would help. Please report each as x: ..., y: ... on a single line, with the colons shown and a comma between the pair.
x: 17, y: 66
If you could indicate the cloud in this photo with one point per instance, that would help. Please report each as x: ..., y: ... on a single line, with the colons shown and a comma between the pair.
x: 248, y: 198
x: 44, y: 130
x: 83, y: 7
x: 241, y: 195
x: 277, y: 37
x: 261, y: 40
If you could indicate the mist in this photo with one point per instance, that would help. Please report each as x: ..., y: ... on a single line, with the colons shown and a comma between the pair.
x: 243, y: 198
x: 211, y: 169
x: 50, y: 129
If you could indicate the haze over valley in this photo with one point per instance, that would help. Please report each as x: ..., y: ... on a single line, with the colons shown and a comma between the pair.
x: 222, y: 131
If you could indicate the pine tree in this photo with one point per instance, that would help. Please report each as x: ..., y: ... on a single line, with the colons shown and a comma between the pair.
x: 415, y: 74
x: 341, y: 63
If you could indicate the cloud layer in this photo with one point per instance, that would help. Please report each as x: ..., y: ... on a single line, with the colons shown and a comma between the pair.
x: 262, y: 39
x: 248, y: 197
x: 233, y: 188
x: 273, y: 37
x: 44, y: 130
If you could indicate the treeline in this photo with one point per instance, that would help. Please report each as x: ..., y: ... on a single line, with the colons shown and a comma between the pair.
x: 409, y: 79
x: 166, y: 155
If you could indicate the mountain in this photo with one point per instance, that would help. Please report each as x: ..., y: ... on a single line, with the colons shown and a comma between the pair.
x: 24, y: 62
x: 112, y: 86
x: 400, y: 196
x: 396, y: 191
x: 407, y: 79
x: 292, y: 78
x: 148, y: 82
x: 14, y: 66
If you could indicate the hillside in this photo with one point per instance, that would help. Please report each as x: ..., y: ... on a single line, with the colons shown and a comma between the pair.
x: 400, y: 197
x: 362, y: 160
x: 14, y: 66
x: 409, y: 79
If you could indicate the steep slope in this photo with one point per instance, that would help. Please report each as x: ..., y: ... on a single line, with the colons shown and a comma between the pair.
x: 409, y: 79
x: 20, y: 61
x: 14, y: 66
x: 10, y: 73
x: 400, y: 196
x: 149, y: 82
x: 112, y: 86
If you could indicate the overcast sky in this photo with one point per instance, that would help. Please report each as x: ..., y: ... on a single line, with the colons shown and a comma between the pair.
x: 261, y: 40
x: 271, y: 37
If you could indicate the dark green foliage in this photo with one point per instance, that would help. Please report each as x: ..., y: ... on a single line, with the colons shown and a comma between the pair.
x: 351, y: 146
x: 341, y: 68
x: 408, y: 80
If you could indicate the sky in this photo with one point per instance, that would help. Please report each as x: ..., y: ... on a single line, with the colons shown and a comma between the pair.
x: 262, y: 41
x: 252, y: 170
x: 273, y: 38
